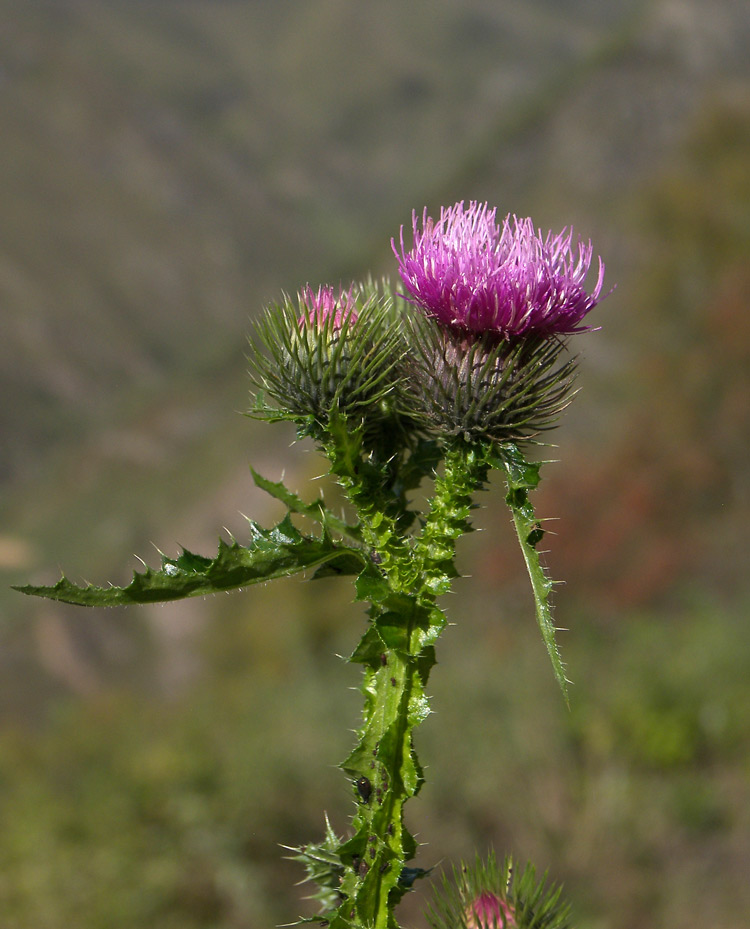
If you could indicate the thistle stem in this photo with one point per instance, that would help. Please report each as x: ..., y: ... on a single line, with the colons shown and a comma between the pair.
x: 386, y: 773
x: 465, y: 471
x: 397, y: 650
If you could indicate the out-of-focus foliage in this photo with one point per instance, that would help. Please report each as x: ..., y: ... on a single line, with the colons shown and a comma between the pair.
x: 125, y: 810
x: 167, y: 167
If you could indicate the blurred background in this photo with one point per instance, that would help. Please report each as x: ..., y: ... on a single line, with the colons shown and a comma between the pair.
x: 166, y: 168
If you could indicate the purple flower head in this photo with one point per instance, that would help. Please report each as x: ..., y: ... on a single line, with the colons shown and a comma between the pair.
x: 323, y: 305
x: 472, y: 274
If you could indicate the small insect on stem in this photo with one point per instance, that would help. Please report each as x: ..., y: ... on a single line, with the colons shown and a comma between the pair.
x: 364, y: 789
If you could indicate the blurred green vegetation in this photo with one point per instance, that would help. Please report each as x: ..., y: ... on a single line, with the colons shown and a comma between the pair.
x: 168, y: 166
x: 126, y: 810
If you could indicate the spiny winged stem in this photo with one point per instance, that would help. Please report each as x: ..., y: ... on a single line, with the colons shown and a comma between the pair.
x: 406, y: 575
x: 465, y: 470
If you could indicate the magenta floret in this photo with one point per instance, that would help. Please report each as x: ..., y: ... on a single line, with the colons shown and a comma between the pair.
x: 472, y: 274
x: 488, y: 911
x: 324, y: 303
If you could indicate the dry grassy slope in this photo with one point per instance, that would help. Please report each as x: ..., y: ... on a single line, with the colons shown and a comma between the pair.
x: 166, y: 167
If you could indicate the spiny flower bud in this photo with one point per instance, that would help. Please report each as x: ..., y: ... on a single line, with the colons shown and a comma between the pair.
x: 488, y: 911
x: 329, y: 352
x: 493, y: 895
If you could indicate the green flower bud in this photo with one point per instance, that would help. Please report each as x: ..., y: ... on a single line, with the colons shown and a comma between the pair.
x: 326, y: 354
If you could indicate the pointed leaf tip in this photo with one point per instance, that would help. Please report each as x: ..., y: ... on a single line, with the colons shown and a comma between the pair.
x: 523, y: 477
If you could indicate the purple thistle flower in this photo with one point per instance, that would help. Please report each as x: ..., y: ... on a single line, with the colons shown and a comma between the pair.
x: 321, y: 305
x: 473, y: 275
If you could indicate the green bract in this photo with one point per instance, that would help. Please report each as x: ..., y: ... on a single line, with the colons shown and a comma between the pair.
x: 487, y: 387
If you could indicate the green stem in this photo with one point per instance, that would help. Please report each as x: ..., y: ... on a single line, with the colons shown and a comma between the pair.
x: 464, y: 473
x: 398, y: 652
x: 383, y: 767
x: 385, y: 773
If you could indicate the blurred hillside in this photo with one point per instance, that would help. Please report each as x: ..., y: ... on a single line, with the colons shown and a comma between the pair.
x: 166, y: 168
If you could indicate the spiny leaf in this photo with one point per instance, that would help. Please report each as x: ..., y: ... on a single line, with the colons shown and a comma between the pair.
x: 322, y: 863
x: 522, y: 477
x: 277, y: 552
x: 316, y: 510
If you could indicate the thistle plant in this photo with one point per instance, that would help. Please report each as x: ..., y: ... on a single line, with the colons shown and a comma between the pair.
x: 450, y: 376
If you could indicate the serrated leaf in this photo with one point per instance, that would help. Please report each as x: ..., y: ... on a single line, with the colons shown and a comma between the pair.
x: 393, y: 629
x: 429, y: 634
x: 316, y: 510
x: 522, y: 477
x: 371, y: 586
x: 522, y: 474
x: 369, y: 650
x: 273, y: 553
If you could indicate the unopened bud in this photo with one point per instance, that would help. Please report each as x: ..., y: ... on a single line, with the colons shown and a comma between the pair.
x: 322, y: 305
x: 329, y: 351
x: 490, y: 912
